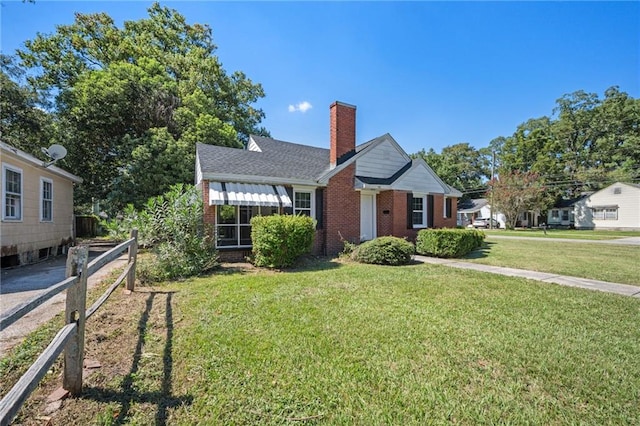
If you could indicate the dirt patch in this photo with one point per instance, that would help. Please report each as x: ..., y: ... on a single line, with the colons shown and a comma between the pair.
x: 131, y: 338
x: 130, y: 332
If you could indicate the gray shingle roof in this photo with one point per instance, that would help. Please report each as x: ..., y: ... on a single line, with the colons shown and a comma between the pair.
x: 278, y: 159
x: 472, y: 205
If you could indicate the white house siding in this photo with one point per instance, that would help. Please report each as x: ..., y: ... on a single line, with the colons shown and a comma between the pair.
x: 27, y: 236
x: 381, y: 162
x: 627, y: 199
x: 418, y: 179
x: 198, y: 170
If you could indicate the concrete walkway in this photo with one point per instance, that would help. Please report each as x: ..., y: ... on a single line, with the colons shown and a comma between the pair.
x: 627, y: 241
x: 20, y: 284
x: 622, y: 289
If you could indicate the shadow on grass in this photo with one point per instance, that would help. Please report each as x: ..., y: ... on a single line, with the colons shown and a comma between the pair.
x: 163, y: 398
x: 314, y: 263
x: 480, y: 252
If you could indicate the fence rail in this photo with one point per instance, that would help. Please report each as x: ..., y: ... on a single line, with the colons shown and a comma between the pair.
x: 69, y: 338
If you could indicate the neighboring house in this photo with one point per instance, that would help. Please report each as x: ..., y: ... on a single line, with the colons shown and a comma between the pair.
x: 615, y: 207
x: 562, y: 214
x: 37, y: 208
x: 469, y: 210
x: 355, y: 193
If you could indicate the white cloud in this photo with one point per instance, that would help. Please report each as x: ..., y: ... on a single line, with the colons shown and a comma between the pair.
x: 303, y: 106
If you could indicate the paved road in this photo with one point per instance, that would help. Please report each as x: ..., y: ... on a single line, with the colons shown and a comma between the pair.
x: 18, y: 285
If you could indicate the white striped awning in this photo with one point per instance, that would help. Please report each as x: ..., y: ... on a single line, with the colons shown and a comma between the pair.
x: 248, y: 194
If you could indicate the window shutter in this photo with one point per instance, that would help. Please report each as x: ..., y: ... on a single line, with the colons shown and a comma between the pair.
x: 289, y: 210
x: 430, y: 211
x: 319, y: 208
x: 409, y: 210
x: 448, y: 207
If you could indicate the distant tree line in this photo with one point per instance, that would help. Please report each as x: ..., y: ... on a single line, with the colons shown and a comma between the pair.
x: 587, y: 143
x: 129, y: 103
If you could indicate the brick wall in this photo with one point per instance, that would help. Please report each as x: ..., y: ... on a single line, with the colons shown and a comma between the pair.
x: 395, y: 221
x: 439, y: 221
x: 342, y: 210
x: 342, y: 130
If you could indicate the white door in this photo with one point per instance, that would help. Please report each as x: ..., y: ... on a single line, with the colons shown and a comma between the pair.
x: 367, y: 216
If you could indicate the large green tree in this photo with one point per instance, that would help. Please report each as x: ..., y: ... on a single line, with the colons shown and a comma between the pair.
x: 589, y: 143
x: 133, y: 101
x: 460, y: 165
x: 23, y: 124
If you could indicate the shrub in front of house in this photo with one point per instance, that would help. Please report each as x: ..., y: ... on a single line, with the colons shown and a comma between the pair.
x: 384, y: 251
x: 279, y: 240
x: 448, y: 242
x: 171, y: 226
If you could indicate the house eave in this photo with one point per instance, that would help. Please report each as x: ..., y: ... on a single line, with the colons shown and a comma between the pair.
x: 39, y: 163
x: 229, y: 177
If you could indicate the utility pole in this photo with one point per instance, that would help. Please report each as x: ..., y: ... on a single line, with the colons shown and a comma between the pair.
x: 493, y: 166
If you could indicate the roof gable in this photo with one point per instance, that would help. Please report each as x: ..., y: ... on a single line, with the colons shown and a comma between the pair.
x: 421, y: 178
x: 380, y: 158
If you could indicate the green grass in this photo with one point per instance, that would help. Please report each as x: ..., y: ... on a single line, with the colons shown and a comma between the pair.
x: 613, y: 263
x: 565, y: 233
x: 402, y: 345
x: 363, y: 345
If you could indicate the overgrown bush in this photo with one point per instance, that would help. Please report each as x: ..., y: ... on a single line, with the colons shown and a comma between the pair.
x: 172, y: 226
x: 448, y: 242
x: 279, y: 240
x: 384, y: 251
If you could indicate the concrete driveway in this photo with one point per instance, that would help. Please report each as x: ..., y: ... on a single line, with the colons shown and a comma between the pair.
x: 17, y: 285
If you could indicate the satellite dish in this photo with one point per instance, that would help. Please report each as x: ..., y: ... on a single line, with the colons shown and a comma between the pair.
x: 55, y: 152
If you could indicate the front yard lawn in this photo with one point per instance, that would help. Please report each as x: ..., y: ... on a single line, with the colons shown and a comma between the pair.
x: 360, y: 344
x: 613, y: 263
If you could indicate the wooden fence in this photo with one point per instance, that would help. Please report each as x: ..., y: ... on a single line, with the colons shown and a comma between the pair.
x: 70, y: 338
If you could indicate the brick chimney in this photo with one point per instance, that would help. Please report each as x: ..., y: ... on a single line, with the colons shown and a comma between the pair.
x: 342, y: 130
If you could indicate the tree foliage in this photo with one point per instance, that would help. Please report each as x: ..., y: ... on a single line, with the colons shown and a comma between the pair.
x: 22, y: 123
x: 460, y: 165
x: 590, y: 143
x: 516, y: 192
x: 148, y: 90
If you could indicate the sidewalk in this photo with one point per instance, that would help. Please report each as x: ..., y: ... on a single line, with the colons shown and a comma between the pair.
x: 622, y: 289
x: 626, y: 241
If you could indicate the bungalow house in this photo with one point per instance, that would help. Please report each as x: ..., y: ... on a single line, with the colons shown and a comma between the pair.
x: 476, y: 208
x: 562, y: 214
x: 37, y: 208
x: 354, y: 193
x: 615, y: 207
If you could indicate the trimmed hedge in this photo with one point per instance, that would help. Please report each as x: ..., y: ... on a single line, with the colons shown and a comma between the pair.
x: 448, y: 242
x: 279, y: 240
x: 384, y: 251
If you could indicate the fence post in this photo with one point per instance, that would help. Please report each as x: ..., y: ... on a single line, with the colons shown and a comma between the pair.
x: 133, y: 257
x: 75, y: 312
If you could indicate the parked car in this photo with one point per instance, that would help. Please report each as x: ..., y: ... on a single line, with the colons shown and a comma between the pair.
x: 484, y: 222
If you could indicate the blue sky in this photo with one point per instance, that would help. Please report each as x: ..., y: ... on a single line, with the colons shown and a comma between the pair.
x: 431, y: 74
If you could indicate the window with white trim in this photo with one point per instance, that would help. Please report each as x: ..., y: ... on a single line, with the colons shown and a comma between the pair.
x: 11, y: 193
x: 555, y: 214
x: 448, y: 207
x: 233, y: 224
x: 46, y: 200
x: 605, y: 213
x: 303, y: 203
x: 419, y: 212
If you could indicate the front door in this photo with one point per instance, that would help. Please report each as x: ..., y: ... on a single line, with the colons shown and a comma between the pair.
x: 367, y: 216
